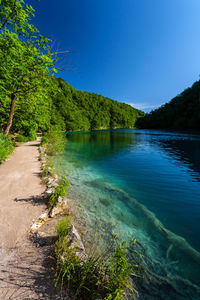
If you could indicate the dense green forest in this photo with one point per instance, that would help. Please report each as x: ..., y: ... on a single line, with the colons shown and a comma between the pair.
x: 77, y: 110
x: 182, y: 112
x: 31, y: 97
x: 68, y: 109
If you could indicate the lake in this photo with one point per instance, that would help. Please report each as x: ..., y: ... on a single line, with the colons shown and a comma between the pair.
x: 143, y: 185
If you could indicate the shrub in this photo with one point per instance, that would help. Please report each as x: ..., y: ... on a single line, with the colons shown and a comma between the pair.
x: 60, y: 191
x: 6, y: 147
x: 27, y: 132
x: 48, y: 170
x: 102, y: 275
x: 23, y: 139
x: 56, y: 142
x: 44, y: 140
x: 63, y: 227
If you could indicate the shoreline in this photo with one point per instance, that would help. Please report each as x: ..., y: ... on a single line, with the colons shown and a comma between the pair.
x: 175, y: 240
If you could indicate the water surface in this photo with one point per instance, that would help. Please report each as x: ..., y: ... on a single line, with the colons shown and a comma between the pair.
x: 143, y: 185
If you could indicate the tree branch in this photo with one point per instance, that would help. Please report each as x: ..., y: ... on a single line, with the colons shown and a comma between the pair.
x: 25, y: 91
x: 61, y: 52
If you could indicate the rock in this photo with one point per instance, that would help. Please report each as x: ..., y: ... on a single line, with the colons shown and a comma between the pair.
x: 56, y: 177
x: 55, y: 211
x: 49, y: 191
x: 82, y: 255
x: 44, y: 216
x: 35, y: 226
x: 54, y: 184
x: 60, y: 200
x: 76, y: 239
x: 50, y: 180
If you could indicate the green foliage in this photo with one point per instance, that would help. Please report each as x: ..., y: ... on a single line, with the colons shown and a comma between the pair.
x: 26, y: 61
x: 48, y: 169
x: 27, y: 132
x: 16, y: 15
x: 87, y: 111
x: 60, y: 191
x: 104, y: 274
x: 22, y: 138
x: 63, y: 227
x: 56, y: 142
x: 182, y: 112
x: 6, y: 147
x: 44, y: 140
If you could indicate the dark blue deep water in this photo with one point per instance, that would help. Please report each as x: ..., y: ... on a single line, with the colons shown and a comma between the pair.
x: 143, y: 185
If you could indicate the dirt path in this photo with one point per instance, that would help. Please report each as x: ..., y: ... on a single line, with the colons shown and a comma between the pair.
x: 24, y: 269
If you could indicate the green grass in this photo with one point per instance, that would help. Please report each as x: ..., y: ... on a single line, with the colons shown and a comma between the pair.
x: 6, y: 147
x: 60, y: 191
x: 63, y: 227
x: 55, y: 142
x: 46, y: 171
x: 105, y: 274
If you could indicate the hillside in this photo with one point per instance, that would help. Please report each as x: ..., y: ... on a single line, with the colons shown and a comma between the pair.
x: 68, y: 109
x: 182, y: 112
x: 79, y: 110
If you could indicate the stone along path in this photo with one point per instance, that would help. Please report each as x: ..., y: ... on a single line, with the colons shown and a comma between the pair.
x: 24, y: 269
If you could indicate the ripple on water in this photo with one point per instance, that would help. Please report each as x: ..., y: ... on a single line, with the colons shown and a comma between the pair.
x: 116, y: 197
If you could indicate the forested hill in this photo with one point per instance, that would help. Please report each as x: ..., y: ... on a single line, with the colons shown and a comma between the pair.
x: 61, y: 105
x: 182, y: 112
x: 79, y: 110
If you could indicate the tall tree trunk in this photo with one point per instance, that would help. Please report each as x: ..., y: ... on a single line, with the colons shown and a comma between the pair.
x: 12, y: 110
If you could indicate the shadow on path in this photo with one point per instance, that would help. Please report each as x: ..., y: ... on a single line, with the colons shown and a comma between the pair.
x: 35, y: 200
x: 30, y: 277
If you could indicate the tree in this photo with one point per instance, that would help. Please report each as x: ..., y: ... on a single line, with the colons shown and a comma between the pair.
x: 26, y: 59
x: 24, y: 68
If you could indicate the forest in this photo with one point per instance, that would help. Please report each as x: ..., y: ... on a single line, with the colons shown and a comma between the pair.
x: 78, y: 110
x: 68, y: 109
x: 182, y: 112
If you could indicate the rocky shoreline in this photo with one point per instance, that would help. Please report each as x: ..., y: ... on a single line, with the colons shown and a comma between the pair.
x: 43, y: 229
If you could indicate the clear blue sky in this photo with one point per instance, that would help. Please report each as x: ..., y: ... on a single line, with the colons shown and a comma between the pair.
x: 142, y: 52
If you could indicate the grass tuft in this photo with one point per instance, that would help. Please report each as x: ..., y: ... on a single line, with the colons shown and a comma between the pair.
x: 60, y: 191
x: 55, y: 142
x: 63, y: 227
x: 103, y: 274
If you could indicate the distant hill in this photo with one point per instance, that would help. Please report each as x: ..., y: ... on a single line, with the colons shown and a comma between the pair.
x: 182, y: 112
x: 78, y: 110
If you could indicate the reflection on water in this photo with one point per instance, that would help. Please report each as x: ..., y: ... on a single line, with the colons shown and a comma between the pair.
x: 186, y: 151
x: 109, y: 143
x: 143, y: 184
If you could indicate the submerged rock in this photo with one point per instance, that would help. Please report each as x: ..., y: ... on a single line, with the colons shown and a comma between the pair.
x: 76, y: 239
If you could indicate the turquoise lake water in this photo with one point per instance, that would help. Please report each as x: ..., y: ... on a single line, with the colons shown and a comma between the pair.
x: 143, y: 185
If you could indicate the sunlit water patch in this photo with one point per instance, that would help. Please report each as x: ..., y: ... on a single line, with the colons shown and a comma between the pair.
x: 143, y: 185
